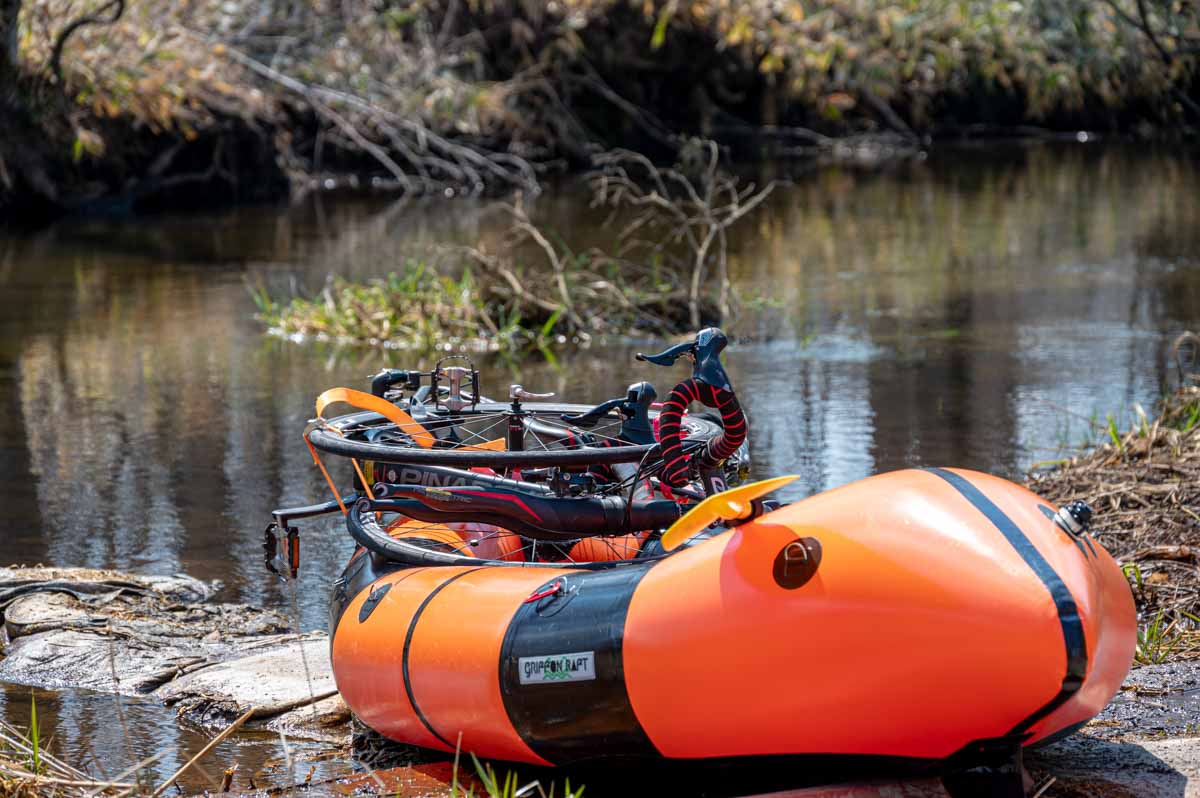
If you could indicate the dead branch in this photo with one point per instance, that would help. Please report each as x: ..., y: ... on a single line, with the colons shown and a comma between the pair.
x: 156, y: 181
x: 693, y: 203
x: 370, y: 147
x: 521, y: 223
x: 889, y: 116
x: 1180, y: 43
x: 494, y: 264
x: 395, y: 140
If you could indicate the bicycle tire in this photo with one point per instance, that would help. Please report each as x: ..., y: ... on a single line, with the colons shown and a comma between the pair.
x: 332, y: 438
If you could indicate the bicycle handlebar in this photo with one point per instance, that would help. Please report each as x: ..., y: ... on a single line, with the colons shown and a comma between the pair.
x: 717, y: 450
x: 709, y: 385
x: 550, y: 518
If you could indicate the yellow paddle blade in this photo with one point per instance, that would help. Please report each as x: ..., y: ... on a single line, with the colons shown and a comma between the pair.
x: 728, y: 505
x: 366, y: 401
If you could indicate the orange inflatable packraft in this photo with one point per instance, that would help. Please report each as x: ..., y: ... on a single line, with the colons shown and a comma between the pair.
x: 912, y: 614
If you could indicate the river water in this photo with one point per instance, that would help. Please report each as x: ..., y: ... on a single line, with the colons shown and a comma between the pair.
x: 982, y: 307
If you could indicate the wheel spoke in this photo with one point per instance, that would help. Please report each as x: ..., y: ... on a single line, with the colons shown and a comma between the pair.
x: 482, y: 436
x: 546, y: 439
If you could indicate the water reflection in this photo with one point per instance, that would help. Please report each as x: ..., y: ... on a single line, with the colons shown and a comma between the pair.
x: 973, y: 309
x: 105, y: 736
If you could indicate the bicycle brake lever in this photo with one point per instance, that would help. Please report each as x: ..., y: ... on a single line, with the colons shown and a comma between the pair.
x: 705, y: 351
x: 667, y: 357
x: 708, y: 369
x: 637, y: 428
x: 635, y: 407
x: 590, y: 417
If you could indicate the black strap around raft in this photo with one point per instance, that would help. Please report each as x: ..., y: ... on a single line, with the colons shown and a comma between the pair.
x: 586, y: 618
x: 1064, y: 602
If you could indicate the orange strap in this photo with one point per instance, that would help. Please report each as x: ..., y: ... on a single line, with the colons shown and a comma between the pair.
x: 383, y: 407
x: 405, y: 422
x: 328, y: 479
x: 362, y: 477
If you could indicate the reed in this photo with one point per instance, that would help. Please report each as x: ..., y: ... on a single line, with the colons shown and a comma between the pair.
x: 29, y: 770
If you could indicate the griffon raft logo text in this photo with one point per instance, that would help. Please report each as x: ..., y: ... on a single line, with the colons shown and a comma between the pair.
x: 579, y: 666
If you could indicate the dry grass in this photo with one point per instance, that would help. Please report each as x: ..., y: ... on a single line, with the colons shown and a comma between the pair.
x: 28, y: 770
x: 1144, y: 485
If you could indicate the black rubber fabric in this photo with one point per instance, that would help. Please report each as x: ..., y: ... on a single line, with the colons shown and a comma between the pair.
x: 566, y: 721
x: 362, y: 570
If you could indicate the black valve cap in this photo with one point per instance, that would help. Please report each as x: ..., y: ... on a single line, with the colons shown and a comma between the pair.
x: 1081, y: 511
x: 1073, y: 518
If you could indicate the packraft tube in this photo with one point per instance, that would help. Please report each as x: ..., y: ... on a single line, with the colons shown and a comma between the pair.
x: 911, y: 614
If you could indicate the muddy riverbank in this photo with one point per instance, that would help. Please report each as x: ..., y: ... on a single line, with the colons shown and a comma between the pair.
x: 161, y: 637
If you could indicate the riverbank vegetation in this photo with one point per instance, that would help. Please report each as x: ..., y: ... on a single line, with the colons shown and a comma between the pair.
x: 1144, y: 485
x: 666, y: 273
x: 476, y: 299
x: 112, y: 105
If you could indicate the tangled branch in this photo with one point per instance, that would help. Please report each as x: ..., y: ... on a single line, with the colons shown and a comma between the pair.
x: 579, y: 288
x: 434, y: 162
x: 693, y: 203
x: 1167, y: 38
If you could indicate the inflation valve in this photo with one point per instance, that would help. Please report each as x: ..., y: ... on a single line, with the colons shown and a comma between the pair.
x: 797, y: 563
x: 1074, y: 518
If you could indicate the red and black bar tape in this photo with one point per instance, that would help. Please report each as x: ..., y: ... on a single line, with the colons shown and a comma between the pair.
x: 733, y: 422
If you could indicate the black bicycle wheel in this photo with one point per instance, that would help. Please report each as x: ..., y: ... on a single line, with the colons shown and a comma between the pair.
x: 369, y: 436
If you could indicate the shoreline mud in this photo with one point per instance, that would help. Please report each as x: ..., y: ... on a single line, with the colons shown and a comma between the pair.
x: 162, y: 637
